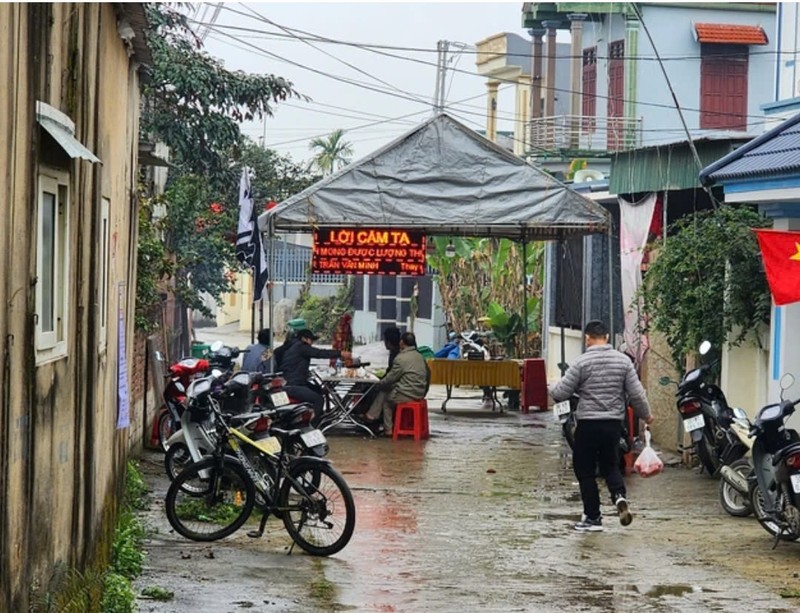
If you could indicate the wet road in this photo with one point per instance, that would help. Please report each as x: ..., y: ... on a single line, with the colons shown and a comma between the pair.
x: 480, y: 517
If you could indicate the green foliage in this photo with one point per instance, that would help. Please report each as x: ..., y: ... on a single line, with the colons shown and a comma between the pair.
x: 484, y: 272
x: 322, y: 314
x: 154, y: 592
x: 152, y: 266
x: 194, y: 104
x: 332, y: 152
x: 118, y: 595
x: 707, y: 282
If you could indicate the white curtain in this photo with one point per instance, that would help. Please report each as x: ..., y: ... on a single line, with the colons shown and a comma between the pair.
x: 635, y: 219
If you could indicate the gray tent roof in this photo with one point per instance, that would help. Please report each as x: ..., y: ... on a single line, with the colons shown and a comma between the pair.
x: 442, y: 178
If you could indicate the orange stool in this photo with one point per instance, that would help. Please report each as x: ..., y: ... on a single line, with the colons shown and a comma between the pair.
x: 411, y: 419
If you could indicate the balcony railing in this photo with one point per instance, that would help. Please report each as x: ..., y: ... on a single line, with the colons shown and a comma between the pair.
x: 572, y: 133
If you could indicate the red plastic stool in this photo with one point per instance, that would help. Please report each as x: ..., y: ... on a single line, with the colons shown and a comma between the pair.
x: 411, y: 419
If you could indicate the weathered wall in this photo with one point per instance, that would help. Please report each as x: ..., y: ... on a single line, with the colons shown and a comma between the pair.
x: 61, y: 460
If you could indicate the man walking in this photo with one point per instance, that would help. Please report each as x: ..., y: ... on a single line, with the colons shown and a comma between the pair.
x: 605, y: 381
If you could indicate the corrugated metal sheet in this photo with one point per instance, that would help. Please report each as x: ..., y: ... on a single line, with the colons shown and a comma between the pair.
x: 666, y: 167
x: 775, y: 152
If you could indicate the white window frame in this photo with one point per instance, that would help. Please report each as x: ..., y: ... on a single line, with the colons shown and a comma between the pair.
x: 52, y: 344
x: 104, y: 254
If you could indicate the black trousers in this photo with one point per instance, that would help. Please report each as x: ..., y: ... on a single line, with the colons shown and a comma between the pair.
x: 597, y: 446
x: 302, y: 393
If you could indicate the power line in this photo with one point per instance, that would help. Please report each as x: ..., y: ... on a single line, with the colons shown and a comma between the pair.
x: 499, y: 79
x: 370, y: 46
x: 348, y: 64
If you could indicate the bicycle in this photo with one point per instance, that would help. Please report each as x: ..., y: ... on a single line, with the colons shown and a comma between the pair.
x: 213, y: 498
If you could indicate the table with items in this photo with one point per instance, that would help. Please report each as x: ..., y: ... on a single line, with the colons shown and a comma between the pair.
x: 346, y: 394
x: 491, y: 374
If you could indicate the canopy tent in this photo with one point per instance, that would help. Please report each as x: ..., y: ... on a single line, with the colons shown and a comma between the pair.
x: 442, y: 178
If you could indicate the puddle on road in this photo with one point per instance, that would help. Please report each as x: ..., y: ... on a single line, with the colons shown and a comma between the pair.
x: 480, y: 517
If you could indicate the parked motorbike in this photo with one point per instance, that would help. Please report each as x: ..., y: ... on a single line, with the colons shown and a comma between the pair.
x: 733, y: 501
x: 464, y: 345
x: 237, y: 394
x: 179, y: 377
x: 708, y: 418
x: 773, y: 484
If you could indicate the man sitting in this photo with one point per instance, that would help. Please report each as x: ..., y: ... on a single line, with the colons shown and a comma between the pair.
x: 408, y: 379
x: 295, y: 366
x: 257, y: 357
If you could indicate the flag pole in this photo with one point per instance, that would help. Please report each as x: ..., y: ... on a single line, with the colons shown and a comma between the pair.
x: 270, y: 281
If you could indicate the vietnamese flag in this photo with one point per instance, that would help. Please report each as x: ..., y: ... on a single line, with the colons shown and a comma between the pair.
x: 780, y: 251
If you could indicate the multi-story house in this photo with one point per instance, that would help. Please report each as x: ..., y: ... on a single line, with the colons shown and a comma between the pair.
x: 766, y: 172
x: 632, y: 66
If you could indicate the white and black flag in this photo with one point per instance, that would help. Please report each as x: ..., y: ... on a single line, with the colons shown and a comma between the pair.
x: 249, y: 249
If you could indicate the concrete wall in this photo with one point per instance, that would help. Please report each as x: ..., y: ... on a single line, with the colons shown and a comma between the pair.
x: 62, y: 457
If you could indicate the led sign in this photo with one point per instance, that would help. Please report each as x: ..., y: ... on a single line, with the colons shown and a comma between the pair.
x: 365, y: 251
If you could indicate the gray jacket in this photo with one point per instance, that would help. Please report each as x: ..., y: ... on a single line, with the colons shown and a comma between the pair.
x: 603, y: 378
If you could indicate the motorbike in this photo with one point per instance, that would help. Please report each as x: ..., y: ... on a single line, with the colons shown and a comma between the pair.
x: 179, y: 377
x: 773, y: 484
x: 708, y: 418
x: 468, y: 345
x: 733, y: 501
x: 237, y: 394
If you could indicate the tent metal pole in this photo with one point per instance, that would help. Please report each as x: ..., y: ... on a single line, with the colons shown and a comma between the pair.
x: 559, y: 302
x: 525, y: 294
x: 270, y: 284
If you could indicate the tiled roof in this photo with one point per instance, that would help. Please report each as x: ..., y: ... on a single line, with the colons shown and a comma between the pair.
x: 730, y: 34
x: 775, y: 152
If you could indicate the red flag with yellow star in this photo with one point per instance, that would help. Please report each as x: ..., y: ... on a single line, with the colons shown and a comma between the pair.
x: 780, y: 252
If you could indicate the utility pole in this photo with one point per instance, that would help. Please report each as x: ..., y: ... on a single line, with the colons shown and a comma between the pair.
x: 442, y: 48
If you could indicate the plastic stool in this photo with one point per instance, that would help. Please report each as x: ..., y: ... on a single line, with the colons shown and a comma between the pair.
x: 411, y: 419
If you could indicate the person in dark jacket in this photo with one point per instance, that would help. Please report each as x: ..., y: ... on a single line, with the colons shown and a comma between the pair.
x: 605, y: 381
x: 391, y: 340
x: 295, y: 364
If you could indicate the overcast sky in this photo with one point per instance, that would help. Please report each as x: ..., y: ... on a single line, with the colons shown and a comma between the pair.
x: 243, y: 38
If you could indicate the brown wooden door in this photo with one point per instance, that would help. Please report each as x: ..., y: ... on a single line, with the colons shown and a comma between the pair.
x: 616, y: 87
x: 723, y: 87
x: 589, y: 88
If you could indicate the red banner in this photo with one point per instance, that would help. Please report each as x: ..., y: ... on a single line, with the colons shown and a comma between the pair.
x: 780, y: 252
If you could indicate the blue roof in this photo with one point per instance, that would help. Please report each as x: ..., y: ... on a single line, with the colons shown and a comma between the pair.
x: 776, y: 152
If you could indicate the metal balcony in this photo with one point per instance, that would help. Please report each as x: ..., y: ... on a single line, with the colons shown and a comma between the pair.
x: 573, y: 134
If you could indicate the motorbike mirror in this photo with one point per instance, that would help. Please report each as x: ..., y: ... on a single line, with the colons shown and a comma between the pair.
x: 705, y: 347
x: 216, y: 373
x: 159, y: 356
x: 786, y: 382
x: 664, y: 381
x: 216, y: 346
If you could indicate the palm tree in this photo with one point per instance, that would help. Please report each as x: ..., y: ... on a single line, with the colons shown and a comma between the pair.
x: 332, y: 152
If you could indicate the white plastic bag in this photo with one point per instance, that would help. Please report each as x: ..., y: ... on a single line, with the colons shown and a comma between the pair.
x: 648, y: 463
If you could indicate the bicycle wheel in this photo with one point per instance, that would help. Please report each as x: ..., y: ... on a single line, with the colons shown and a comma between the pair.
x: 320, y: 518
x: 210, y: 500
